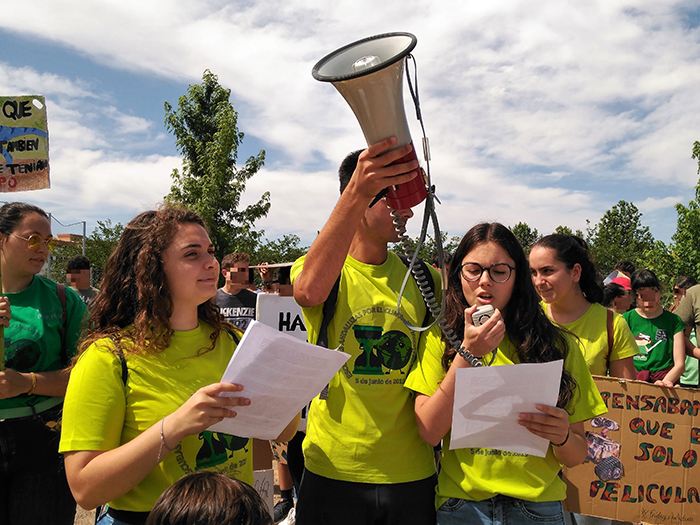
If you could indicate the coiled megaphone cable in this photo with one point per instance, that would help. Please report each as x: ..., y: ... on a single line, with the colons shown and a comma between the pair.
x: 414, y: 268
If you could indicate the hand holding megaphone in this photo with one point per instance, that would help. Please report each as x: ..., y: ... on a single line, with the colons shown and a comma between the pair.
x: 379, y: 167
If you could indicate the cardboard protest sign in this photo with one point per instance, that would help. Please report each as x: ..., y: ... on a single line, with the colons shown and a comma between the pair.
x: 642, y: 456
x: 282, y: 313
x: 24, y: 144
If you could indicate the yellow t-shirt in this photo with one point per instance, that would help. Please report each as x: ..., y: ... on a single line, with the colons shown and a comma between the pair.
x: 477, y: 474
x: 365, y: 431
x: 101, y: 413
x: 592, y: 331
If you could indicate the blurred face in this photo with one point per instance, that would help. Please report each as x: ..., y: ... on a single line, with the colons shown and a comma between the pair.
x: 622, y: 303
x: 16, y: 253
x: 678, y: 293
x: 648, y: 298
x: 552, y: 279
x: 237, y: 274
x: 191, y: 269
x: 485, y: 290
x: 79, y: 279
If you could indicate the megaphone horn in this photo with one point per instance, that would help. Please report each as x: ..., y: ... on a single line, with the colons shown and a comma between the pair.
x: 369, y: 75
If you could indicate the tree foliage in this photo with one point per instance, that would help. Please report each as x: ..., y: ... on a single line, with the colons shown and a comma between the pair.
x: 205, y: 126
x: 99, y: 245
x: 429, y: 247
x: 282, y: 250
x: 686, y: 240
x: 526, y: 236
x: 619, y: 236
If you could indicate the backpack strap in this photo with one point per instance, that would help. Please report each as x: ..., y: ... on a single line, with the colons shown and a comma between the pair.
x: 234, y: 335
x: 328, y: 312
x: 61, y: 292
x: 611, y: 335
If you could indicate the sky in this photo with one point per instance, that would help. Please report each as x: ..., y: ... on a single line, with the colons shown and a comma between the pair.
x: 543, y: 112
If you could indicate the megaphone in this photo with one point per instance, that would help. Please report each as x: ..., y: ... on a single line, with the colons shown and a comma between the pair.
x: 369, y: 74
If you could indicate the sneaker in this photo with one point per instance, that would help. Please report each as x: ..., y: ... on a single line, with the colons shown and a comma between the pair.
x: 282, y: 509
x: 291, y: 518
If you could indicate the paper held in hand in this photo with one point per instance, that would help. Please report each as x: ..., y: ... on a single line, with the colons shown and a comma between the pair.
x: 279, y: 374
x: 489, y: 399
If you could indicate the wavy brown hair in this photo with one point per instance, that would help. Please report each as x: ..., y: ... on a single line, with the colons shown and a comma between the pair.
x: 134, y: 304
x: 535, y: 337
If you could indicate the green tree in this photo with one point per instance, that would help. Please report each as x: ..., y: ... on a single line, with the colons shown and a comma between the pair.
x: 526, y: 236
x: 282, y: 250
x: 565, y: 230
x: 99, y: 245
x: 696, y: 153
x: 429, y: 247
x: 205, y: 126
x: 686, y: 240
x: 619, y: 236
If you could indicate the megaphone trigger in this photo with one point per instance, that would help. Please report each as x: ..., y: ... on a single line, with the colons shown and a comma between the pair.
x: 379, y: 197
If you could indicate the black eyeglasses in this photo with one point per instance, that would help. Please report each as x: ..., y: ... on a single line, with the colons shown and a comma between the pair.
x: 35, y: 240
x: 499, y: 273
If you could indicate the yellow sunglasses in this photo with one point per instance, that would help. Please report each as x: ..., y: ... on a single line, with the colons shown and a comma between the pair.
x: 35, y: 240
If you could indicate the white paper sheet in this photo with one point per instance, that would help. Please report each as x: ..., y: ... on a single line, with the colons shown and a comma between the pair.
x: 279, y: 374
x: 489, y: 399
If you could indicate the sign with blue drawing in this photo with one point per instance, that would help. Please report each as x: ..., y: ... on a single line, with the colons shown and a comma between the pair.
x: 24, y: 144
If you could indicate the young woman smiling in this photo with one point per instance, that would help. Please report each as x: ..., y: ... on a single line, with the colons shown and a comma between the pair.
x: 484, y: 486
x: 567, y: 281
x: 41, y: 334
x: 146, y: 385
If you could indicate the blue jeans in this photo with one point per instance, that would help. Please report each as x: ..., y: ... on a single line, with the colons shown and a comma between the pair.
x: 500, y: 510
x: 33, y: 485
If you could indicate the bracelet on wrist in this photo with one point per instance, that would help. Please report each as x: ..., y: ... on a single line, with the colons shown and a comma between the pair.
x: 162, y: 441
x: 568, y: 433
x: 31, y: 390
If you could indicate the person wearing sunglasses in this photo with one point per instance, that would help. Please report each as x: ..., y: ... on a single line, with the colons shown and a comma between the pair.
x: 41, y: 335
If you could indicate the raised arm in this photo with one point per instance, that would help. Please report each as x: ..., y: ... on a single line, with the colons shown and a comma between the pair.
x: 327, y: 254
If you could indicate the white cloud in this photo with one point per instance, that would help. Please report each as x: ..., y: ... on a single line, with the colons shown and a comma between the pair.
x: 534, y: 109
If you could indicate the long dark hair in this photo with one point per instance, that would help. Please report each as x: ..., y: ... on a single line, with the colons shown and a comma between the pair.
x: 134, y: 290
x: 572, y: 250
x: 535, y: 337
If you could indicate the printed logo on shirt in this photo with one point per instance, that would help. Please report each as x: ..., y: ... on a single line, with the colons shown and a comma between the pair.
x: 216, y: 447
x: 380, y: 352
x: 22, y: 355
x: 661, y: 335
x: 643, y: 343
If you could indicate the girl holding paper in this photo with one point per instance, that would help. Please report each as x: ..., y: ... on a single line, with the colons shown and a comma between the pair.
x: 480, y: 485
x: 145, y: 388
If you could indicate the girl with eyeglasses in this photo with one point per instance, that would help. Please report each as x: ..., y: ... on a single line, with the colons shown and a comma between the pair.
x: 567, y: 281
x: 42, y: 323
x: 477, y: 485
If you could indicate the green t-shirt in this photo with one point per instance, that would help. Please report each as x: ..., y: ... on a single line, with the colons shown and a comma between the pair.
x: 690, y: 376
x: 592, y: 332
x: 101, y: 413
x: 33, y: 340
x: 365, y: 431
x: 654, y: 339
x: 477, y: 474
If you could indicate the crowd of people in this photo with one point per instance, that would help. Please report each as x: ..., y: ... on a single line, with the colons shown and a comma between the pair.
x: 106, y: 395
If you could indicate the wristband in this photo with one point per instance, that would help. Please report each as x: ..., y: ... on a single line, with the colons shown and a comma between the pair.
x: 31, y: 390
x: 568, y: 432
